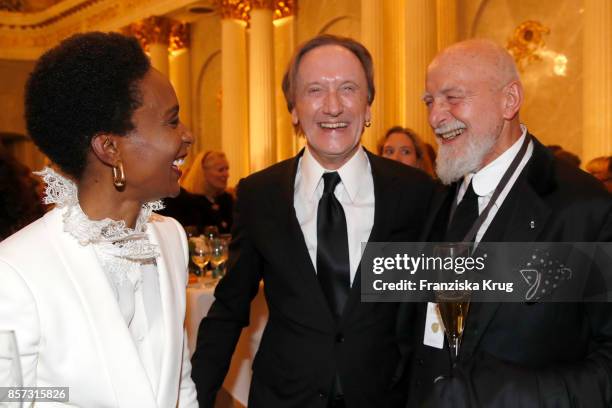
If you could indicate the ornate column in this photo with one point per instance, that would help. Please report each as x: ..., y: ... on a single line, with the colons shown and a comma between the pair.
x: 262, y: 119
x: 421, y: 44
x: 286, y: 140
x: 447, y: 23
x: 372, y: 23
x: 180, y: 69
x: 394, y: 62
x: 597, y: 91
x: 234, y: 103
x: 153, y: 34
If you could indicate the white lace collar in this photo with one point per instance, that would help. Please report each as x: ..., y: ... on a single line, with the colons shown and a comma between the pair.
x: 120, y: 248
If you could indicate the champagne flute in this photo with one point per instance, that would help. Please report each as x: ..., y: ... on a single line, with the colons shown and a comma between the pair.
x: 200, y: 254
x: 218, y: 256
x: 10, y: 366
x: 453, y: 305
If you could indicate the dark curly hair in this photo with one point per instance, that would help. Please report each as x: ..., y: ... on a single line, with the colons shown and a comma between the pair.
x: 85, y: 86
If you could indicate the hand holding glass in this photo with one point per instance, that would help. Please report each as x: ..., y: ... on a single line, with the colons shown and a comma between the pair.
x: 453, y: 305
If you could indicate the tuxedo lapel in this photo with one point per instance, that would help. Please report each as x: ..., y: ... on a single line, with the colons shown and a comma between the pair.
x: 437, y: 219
x: 117, y: 354
x: 385, y: 203
x: 521, y: 218
x: 297, y: 244
x: 172, y: 327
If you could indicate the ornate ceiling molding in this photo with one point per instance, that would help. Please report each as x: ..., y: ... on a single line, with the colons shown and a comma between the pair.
x: 27, y: 35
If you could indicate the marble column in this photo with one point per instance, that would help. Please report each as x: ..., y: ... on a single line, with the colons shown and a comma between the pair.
x: 421, y: 45
x: 234, y: 104
x: 394, y: 67
x: 597, y: 80
x: 372, y: 38
x: 262, y: 118
x: 180, y: 69
x: 286, y: 139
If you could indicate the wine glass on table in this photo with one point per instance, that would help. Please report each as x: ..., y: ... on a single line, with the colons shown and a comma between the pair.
x: 200, y: 253
x: 219, y: 256
x: 453, y: 305
x: 10, y: 369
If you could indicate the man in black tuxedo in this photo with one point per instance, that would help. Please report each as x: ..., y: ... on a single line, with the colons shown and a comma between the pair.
x: 512, y: 354
x: 299, y: 226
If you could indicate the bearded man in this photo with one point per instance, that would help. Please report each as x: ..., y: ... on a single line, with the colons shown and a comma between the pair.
x: 512, y: 354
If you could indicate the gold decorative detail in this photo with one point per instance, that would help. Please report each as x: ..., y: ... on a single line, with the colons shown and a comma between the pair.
x: 152, y: 30
x: 234, y: 9
x: 240, y: 9
x: 435, y: 327
x: 11, y: 5
x: 179, y: 36
x: 284, y: 8
x: 526, y: 43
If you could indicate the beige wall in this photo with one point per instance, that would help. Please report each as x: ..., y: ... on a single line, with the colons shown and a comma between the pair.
x: 552, y: 109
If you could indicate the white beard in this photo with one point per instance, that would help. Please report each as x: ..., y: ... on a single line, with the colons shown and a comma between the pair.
x: 454, y: 162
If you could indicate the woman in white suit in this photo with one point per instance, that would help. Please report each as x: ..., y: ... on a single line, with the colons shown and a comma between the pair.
x: 95, y: 290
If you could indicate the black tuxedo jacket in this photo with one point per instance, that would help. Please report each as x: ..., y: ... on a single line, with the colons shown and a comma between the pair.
x: 302, y: 346
x: 519, y: 354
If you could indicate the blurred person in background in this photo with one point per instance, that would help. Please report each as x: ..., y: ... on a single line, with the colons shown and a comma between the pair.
x: 95, y: 289
x: 567, y: 156
x: 601, y: 168
x: 204, y: 199
x: 19, y: 200
x: 405, y: 146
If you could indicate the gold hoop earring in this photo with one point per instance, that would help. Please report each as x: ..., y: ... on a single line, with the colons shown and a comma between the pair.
x: 118, y: 175
x: 368, y: 123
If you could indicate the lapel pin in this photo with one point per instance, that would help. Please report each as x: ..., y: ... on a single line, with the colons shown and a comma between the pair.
x: 532, y: 224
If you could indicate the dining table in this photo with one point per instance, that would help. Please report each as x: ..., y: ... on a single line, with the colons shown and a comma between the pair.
x: 200, y: 297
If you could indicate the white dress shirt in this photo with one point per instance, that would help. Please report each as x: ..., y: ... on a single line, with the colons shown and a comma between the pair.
x: 486, y: 180
x: 355, y: 193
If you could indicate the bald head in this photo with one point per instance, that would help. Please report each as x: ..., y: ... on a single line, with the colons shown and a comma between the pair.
x: 491, y: 61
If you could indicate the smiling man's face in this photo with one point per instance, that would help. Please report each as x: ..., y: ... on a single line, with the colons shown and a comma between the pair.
x: 464, y: 98
x: 331, y: 103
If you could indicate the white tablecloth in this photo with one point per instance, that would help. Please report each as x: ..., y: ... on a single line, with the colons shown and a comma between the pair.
x: 238, y: 379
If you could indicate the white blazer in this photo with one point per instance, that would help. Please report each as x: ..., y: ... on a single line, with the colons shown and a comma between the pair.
x: 70, y: 332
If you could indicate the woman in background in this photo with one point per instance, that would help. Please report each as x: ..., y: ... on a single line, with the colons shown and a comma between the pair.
x: 95, y: 289
x: 405, y: 146
x: 19, y: 200
x: 204, y: 200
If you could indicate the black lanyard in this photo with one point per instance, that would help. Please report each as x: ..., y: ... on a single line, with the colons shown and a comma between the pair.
x: 469, y: 237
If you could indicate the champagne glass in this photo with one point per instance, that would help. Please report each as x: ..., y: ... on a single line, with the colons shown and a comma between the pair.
x: 201, y: 253
x: 211, y: 232
x: 218, y: 256
x: 453, y: 305
x: 10, y: 365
